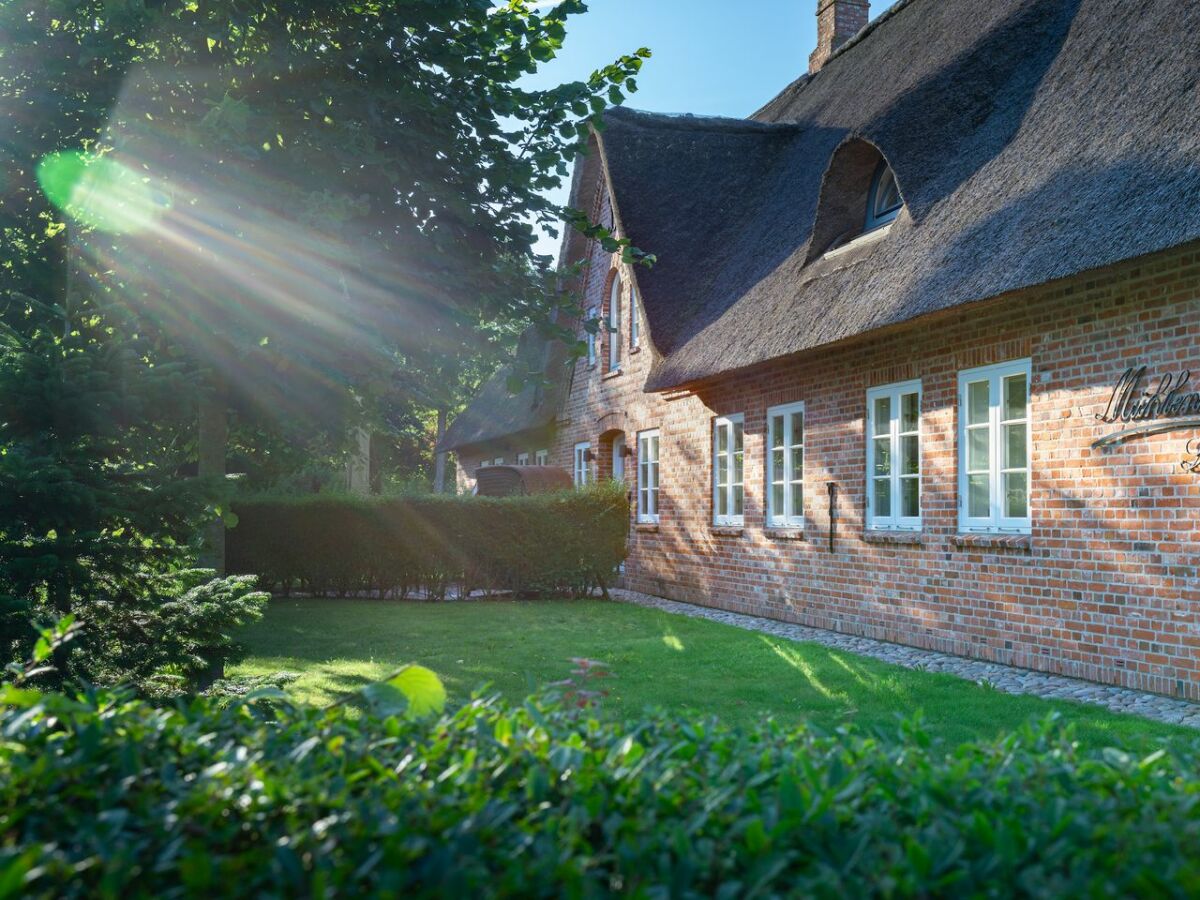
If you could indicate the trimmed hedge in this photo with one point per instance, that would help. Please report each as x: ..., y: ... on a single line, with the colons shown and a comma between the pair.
x: 100, y: 797
x: 562, y: 543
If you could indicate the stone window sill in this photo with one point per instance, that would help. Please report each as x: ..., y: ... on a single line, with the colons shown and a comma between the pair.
x: 637, y: 349
x: 727, y: 530
x: 784, y: 534
x: 611, y: 374
x: 986, y: 541
x: 646, y: 527
x: 881, y: 536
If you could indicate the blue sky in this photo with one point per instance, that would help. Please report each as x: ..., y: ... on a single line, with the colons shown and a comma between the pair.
x: 710, y: 56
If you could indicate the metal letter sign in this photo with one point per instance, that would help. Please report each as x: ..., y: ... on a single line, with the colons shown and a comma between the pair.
x: 1169, y: 399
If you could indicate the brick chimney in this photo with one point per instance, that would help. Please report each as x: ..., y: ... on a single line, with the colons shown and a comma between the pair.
x: 837, y: 22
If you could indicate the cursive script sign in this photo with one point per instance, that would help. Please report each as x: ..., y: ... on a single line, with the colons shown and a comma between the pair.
x: 1169, y: 398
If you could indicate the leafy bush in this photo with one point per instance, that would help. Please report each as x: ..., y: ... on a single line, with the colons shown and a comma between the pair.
x: 173, y: 636
x: 104, y: 797
x: 565, y: 542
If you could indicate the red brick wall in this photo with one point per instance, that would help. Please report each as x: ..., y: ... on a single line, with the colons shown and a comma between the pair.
x: 1107, y: 587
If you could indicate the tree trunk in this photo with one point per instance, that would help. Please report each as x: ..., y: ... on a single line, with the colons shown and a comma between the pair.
x: 439, y: 465
x: 213, y: 437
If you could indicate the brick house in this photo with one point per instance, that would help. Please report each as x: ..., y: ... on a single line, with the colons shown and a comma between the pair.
x: 914, y: 360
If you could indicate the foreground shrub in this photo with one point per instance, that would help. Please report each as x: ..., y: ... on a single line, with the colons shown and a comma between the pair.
x: 566, y: 542
x: 107, y: 797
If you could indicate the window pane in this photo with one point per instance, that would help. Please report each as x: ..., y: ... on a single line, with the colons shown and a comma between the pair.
x: 1016, y: 495
x: 977, y: 449
x: 654, y: 501
x: 777, y: 473
x: 654, y: 477
x: 910, y: 463
x: 797, y: 498
x: 737, y: 468
x: 654, y: 448
x: 883, y: 456
x: 737, y: 436
x: 723, y: 470
x: 910, y: 411
x: 722, y: 438
x: 798, y: 428
x: 722, y: 503
x: 777, y: 431
x: 737, y: 499
x: 777, y: 499
x: 883, y: 497
x: 910, y: 503
x: 883, y: 415
x: 977, y: 402
x: 1015, y: 446
x: 979, y: 503
x: 797, y: 463
x: 1014, y: 397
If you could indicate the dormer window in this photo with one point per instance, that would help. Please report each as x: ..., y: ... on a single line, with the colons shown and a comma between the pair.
x: 883, y: 202
x: 860, y: 197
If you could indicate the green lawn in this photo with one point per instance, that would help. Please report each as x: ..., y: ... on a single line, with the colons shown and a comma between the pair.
x: 657, y: 659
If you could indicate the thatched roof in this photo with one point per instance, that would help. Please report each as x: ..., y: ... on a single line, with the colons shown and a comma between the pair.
x: 496, y: 413
x: 1031, y: 140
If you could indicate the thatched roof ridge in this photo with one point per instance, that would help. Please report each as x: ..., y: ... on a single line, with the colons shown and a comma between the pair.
x: 1032, y: 140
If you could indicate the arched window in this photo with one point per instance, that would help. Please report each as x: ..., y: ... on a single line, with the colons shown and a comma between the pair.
x: 860, y: 196
x: 614, y: 325
x: 883, y: 201
x: 634, y: 337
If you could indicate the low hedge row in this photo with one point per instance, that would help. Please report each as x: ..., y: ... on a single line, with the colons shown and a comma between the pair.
x: 565, y: 543
x: 107, y: 798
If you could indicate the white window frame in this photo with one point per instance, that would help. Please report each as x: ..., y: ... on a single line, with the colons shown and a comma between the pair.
x: 635, y: 334
x: 729, y: 424
x: 786, y: 517
x: 590, y: 335
x: 498, y: 461
x: 522, y: 459
x: 541, y: 458
x: 893, y: 392
x: 580, y: 472
x: 614, y: 324
x: 649, y: 450
x: 996, y: 521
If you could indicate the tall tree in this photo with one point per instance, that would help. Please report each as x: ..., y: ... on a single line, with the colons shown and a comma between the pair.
x: 277, y: 202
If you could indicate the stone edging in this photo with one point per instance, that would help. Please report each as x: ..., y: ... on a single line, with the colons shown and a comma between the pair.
x: 1008, y: 679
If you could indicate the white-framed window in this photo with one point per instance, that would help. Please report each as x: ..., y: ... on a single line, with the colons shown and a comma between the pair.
x: 994, y: 448
x: 728, y: 459
x: 614, y: 325
x: 894, y: 456
x: 541, y: 458
x: 647, y: 506
x: 590, y: 334
x: 785, y: 465
x: 522, y: 459
x: 634, y: 330
x: 498, y: 461
x: 581, y: 463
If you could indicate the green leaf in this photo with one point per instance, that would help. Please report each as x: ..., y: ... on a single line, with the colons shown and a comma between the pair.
x: 18, y: 697
x: 422, y: 689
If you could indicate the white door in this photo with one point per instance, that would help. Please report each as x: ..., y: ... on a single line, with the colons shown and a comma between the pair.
x: 618, y: 466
